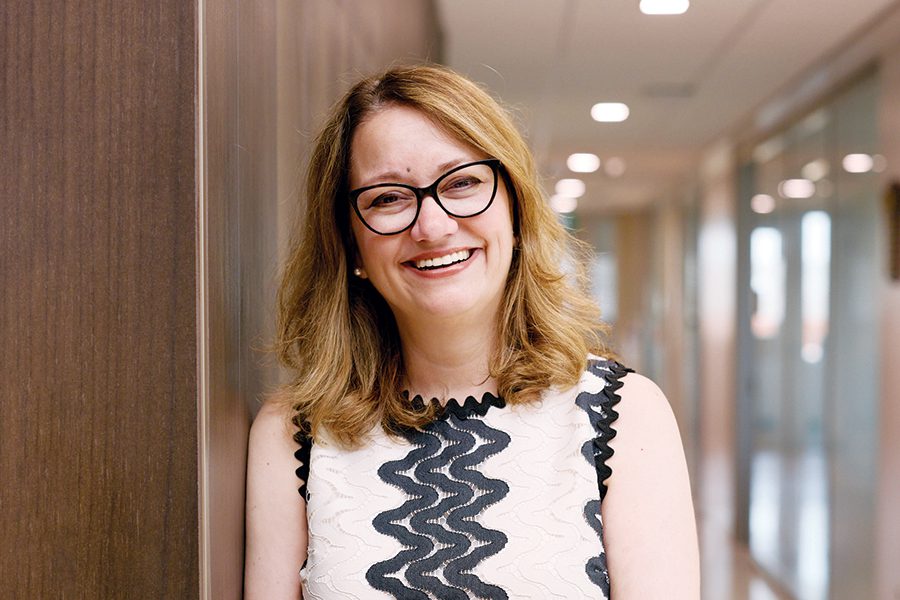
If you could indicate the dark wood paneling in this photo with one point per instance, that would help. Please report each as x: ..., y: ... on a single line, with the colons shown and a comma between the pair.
x: 98, y: 444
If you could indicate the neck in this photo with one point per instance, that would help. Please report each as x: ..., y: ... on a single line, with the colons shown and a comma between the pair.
x: 446, y: 360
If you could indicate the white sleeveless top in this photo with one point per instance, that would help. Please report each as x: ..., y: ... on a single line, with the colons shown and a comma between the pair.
x: 488, y: 501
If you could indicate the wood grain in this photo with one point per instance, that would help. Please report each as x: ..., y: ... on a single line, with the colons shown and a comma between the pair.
x: 98, y: 445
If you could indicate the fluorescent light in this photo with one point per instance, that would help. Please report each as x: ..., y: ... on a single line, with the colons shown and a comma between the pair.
x: 762, y: 204
x: 573, y: 188
x: 857, y: 163
x: 815, y: 170
x: 563, y: 204
x: 583, y: 162
x: 610, y: 112
x: 614, y: 166
x: 664, y: 7
x: 796, y: 188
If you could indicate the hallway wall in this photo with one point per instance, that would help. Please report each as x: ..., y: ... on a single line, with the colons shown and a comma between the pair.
x: 887, y: 519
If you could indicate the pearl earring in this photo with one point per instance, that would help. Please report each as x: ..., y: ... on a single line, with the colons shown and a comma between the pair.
x: 359, y: 273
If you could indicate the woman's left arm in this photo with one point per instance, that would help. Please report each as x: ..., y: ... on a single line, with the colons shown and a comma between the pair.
x: 648, y: 518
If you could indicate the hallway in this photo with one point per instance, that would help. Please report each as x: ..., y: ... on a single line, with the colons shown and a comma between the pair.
x: 735, y: 166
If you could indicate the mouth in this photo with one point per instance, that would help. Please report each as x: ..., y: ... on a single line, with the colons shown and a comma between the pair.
x: 440, y: 262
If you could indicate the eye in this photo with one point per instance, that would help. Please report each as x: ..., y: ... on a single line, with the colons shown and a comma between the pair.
x: 384, y: 199
x: 460, y: 184
x: 390, y: 198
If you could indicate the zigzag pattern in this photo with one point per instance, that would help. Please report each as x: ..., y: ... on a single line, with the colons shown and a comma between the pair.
x: 596, y: 568
x: 600, y: 408
x: 438, y: 524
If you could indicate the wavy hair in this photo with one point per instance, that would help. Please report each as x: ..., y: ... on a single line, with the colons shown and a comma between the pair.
x: 337, y: 334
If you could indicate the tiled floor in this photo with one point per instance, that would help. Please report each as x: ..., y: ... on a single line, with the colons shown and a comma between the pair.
x: 727, y: 571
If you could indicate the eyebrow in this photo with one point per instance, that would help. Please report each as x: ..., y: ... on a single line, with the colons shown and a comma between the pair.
x: 397, y: 177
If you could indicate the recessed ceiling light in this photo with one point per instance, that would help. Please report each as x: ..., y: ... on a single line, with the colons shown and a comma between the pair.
x: 614, y: 166
x: 610, y: 112
x: 563, y: 204
x: 583, y: 162
x: 664, y: 7
x: 857, y: 163
x: 796, y: 188
x: 573, y: 188
x: 815, y: 170
x: 762, y: 204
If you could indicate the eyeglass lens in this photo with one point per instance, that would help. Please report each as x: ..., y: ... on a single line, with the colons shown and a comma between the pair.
x: 462, y: 192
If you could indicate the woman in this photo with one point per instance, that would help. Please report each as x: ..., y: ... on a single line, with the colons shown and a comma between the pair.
x: 451, y: 415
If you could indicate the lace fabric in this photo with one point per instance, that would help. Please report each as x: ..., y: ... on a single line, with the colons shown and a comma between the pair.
x: 488, y: 501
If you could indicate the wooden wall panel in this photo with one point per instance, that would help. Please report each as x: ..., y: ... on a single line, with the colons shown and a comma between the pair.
x: 270, y: 71
x: 97, y: 306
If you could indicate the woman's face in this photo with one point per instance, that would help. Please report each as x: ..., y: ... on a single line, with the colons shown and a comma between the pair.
x: 400, y: 144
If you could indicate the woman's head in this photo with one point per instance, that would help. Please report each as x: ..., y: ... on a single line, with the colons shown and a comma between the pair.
x: 325, y: 309
x: 431, y: 225
x: 457, y: 106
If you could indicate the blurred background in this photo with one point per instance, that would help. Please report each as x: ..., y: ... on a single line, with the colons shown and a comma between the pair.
x: 731, y: 162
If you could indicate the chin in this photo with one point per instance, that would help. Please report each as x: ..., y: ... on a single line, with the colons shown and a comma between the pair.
x: 457, y: 303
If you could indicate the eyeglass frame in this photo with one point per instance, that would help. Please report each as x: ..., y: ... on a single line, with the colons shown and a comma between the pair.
x: 430, y: 190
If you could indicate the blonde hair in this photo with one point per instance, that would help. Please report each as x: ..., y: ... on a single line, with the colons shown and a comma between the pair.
x: 336, y: 332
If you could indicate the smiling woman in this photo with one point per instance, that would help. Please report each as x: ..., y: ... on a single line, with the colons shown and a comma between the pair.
x: 453, y: 405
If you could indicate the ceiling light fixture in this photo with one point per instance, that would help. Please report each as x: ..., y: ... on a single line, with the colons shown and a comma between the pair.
x: 796, y: 188
x: 815, y: 170
x: 857, y: 163
x: 573, y: 188
x: 664, y: 7
x: 762, y: 204
x: 610, y: 112
x: 583, y: 162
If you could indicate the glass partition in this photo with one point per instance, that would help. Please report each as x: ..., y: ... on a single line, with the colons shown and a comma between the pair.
x: 810, y: 386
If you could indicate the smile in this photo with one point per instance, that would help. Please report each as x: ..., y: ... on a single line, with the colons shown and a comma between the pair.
x: 443, y: 261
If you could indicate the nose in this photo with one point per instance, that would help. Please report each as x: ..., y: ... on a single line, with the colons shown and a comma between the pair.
x: 433, y: 223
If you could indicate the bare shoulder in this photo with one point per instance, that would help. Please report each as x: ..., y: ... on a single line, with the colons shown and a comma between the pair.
x: 271, y: 427
x: 275, y: 511
x: 645, y: 418
x: 649, y: 526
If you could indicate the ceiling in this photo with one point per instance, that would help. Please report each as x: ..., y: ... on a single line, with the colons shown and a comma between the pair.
x: 688, y: 79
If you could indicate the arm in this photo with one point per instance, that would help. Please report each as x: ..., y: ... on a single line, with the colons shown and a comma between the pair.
x: 276, y: 513
x: 648, y: 517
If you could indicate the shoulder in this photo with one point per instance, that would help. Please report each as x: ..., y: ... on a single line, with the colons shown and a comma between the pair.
x: 647, y: 444
x: 271, y: 429
x: 271, y: 417
x: 275, y: 512
x: 648, y: 512
x: 643, y: 409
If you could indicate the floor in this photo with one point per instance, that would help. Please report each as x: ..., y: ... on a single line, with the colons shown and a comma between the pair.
x: 727, y: 571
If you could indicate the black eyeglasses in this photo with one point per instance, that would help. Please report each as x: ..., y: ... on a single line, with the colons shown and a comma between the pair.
x: 464, y: 191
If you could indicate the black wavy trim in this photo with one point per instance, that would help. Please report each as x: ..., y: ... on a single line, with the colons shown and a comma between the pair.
x: 596, y: 568
x: 470, y: 406
x: 438, y: 524
x: 302, y: 455
x: 598, y: 450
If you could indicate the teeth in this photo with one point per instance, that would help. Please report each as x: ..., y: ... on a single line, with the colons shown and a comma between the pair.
x: 441, y: 261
